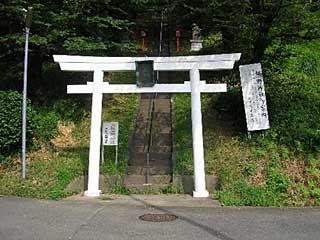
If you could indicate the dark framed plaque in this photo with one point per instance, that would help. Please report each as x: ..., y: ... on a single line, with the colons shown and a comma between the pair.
x: 144, y: 74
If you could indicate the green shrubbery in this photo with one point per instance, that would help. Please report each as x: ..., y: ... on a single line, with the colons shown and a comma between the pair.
x: 41, y: 121
x: 292, y: 80
x: 70, y: 110
x: 10, y: 121
x: 46, y: 118
x: 293, y: 88
x: 45, y: 179
x: 46, y: 124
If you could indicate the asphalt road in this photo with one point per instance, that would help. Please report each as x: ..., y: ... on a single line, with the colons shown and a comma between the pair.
x: 29, y: 219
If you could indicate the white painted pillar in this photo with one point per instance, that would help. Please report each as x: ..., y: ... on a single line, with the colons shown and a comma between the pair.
x: 95, y: 136
x: 197, y: 138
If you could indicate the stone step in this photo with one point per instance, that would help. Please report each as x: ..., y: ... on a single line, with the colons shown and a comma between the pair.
x: 155, y: 159
x: 163, y: 129
x: 157, y: 117
x: 159, y: 105
x: 141, y: 179
x: 162, y: 95
x: 157, y: 132
x: 162, y: 105
x: 142, y: 125
x: 147, y: 188
x: 142, y: 116
x: 153, y: 148
x: 158, y: 139
x: 162, y: 100
x: 160, y: 126
x: 141, y: 140
x: 138, y: 148
x: 161, y: 139
x: 157, y: 170
x: 142, y: 134
x: 162, y: 116
x: 107, y: 183
x: 146, y: 95
x: 161, y: 149
x: 145, y: 105
x: 140, y: 162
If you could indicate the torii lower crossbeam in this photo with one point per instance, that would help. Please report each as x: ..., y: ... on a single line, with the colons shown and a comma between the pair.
x: 190, y: 63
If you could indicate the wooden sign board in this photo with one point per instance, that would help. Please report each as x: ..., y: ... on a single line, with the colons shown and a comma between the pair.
x: 254, y: 97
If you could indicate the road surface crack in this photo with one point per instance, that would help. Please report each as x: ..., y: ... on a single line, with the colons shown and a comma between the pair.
x: 85, y: 223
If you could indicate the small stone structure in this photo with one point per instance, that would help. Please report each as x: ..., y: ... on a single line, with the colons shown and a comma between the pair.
x: 196, y: 41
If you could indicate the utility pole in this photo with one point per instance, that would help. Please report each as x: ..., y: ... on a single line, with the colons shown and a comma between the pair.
x: 24, y: 97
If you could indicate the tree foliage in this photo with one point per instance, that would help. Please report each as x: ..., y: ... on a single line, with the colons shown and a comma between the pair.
x: 10, y: 121
x: 250, y: 26
x: 61, y: 27
x: 292, y: 80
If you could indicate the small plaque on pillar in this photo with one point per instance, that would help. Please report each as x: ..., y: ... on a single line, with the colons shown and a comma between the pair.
x: 144, y: 74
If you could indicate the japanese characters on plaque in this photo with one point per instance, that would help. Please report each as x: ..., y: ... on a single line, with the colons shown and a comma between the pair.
x: 110, y: 133
x: 254, y: 97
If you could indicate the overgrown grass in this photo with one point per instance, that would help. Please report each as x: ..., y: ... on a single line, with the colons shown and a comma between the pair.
x: 256, y: 172
x: 52, y: 164
x: 183, y: 134
x: 45, y: 178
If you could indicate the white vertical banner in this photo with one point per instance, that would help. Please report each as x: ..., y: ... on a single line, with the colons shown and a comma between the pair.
x: 110, y: 132
x: 254, y: 97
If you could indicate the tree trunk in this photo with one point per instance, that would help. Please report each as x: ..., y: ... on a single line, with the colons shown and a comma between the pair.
x: 35, y: 84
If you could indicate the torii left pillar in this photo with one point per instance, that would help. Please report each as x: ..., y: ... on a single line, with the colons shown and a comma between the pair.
x: 95, y: 139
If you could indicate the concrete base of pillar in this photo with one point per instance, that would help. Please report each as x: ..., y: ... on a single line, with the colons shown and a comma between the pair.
x: 92, y: 194
x: 203, y: 194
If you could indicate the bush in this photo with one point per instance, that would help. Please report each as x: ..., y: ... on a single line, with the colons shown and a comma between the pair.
x: 231, y: 103
x: 46, y: 124
x: 70, y: 110
x: 293, y: 89
x: 10, y: 121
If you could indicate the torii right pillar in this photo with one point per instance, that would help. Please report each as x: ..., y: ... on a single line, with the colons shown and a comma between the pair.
x: 200, y: 190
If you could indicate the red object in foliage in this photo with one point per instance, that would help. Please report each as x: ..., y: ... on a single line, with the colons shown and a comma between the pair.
x: 178, y: 34
x: 143, y: 36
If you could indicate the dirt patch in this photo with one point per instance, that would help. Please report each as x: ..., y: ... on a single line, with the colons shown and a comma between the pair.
x: 258, y: 178
x: 294, y: 169
x: 42, y: 153
x: 65, y: 137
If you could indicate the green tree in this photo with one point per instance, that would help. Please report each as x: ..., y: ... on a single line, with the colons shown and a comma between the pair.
x: 250, y: 26
x: 61, y: 27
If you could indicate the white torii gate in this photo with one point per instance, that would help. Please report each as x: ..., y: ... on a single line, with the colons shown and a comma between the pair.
x: 193, y: 64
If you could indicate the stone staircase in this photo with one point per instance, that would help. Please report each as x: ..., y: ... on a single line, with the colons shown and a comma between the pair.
x: 150, y: 146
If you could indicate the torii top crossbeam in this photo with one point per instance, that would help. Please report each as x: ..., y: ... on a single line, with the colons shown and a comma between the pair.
x: 114, y: 64
x: 193, y: 64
